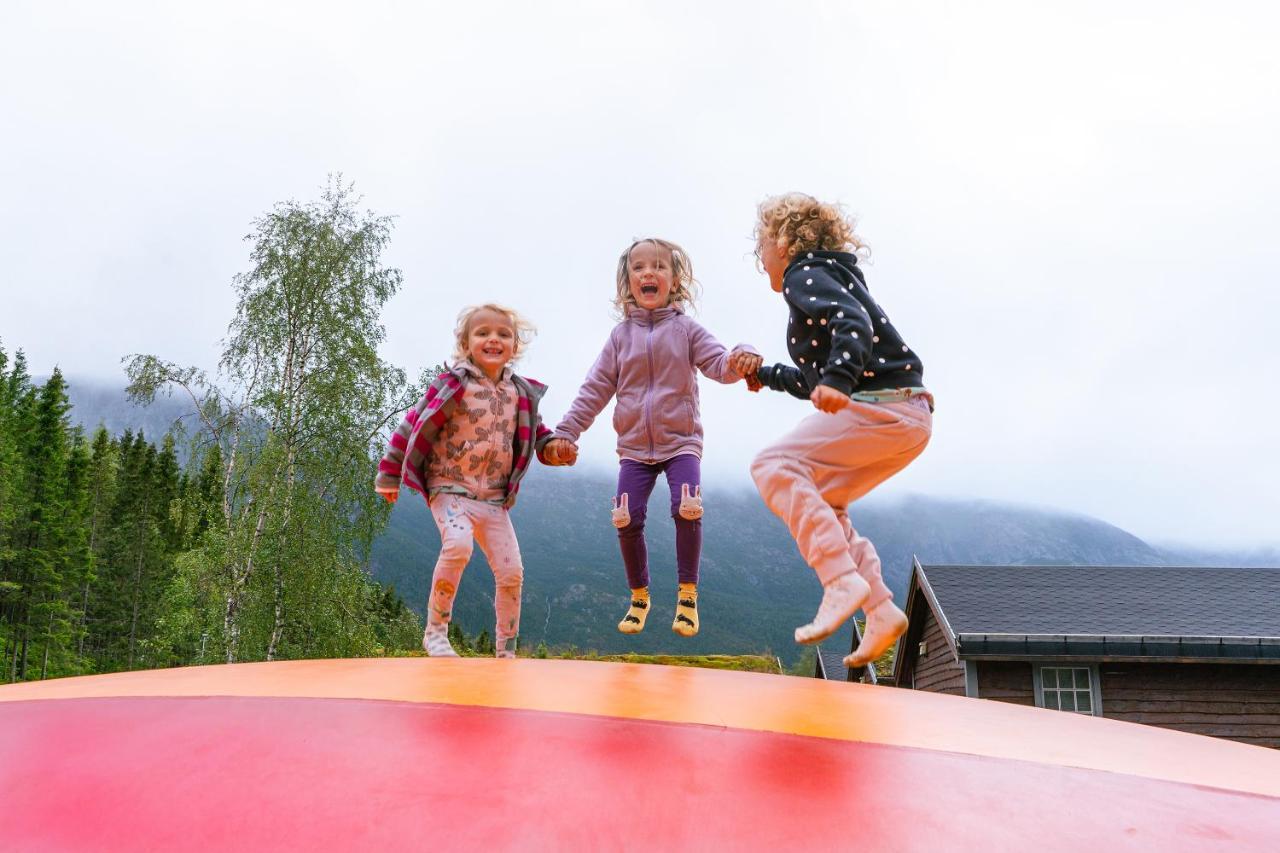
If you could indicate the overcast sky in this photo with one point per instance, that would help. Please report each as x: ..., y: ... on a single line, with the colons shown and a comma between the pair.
x: 1072, y: 209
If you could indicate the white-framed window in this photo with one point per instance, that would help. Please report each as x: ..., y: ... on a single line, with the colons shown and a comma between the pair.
x: 1068, y: 688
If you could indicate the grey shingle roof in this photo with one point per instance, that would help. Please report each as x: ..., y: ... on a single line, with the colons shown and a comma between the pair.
x: 833, y: 664
x: 1109, y: 600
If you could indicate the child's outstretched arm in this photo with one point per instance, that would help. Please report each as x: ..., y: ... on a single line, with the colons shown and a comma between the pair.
x: 596, y: 392
x: 711, y: 357
x: 784, y: 377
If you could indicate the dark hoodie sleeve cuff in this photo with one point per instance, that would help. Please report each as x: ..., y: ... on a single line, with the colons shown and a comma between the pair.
x: 835, y: 380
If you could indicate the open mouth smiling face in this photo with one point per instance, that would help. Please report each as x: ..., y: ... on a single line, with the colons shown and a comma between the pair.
x: 650, y: 275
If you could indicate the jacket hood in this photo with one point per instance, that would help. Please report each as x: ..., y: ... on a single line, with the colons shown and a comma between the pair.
x: 849, y: 259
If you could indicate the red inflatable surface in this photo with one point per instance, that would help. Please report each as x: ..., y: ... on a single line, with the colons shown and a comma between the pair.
x: 532, y: 754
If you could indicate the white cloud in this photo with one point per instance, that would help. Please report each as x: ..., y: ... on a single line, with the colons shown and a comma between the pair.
x: 1071, y: 208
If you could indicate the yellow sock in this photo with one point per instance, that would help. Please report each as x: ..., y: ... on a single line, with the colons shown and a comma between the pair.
x: 686, y: 621
x: 633, y: 622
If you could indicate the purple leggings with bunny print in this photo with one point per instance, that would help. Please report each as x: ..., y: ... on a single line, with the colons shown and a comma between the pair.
x: 636, y: 480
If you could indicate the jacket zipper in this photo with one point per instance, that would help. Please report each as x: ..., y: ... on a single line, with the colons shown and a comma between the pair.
x: 648, y: 397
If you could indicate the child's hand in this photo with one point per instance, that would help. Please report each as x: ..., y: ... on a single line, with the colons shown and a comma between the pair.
x: 746, y: 364
x: 561, y: 451
x: 829, y: 400
x: 753, y: 383
x: 390, y: 496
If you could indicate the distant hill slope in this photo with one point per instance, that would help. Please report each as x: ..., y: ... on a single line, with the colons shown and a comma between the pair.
x: 94, y: 403
x: 755, y: 588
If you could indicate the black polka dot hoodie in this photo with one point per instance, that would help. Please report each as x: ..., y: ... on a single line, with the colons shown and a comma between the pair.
x: 837, y: 335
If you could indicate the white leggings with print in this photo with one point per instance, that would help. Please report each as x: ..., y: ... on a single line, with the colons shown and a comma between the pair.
x: 461, y: 520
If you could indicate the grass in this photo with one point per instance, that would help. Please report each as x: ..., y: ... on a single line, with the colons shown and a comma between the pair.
x: 741, y: 663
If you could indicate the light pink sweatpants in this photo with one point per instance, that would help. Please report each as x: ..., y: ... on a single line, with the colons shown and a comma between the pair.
x: 828, y: 461
x: 461, y: 519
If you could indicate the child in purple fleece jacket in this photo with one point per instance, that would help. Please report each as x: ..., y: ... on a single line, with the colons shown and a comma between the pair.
x: 649, y: 363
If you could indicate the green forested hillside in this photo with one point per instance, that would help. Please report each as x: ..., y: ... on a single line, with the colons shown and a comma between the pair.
x: 755, y: 588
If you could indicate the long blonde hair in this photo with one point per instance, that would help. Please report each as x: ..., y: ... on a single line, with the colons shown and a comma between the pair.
x: 684, y: 287
x: 523, y: 329
x: 800, y: 223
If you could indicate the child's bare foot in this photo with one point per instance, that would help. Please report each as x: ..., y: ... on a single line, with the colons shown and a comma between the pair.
x: 841, y: 598
x: 885, y: 624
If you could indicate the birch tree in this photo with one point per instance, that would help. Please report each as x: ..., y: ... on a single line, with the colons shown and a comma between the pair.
x: 296, y: 413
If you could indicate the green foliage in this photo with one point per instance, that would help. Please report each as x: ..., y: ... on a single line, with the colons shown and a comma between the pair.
x: 807, y: 662
x: 292, y: 436
x: 113, y: 556
x: 740, y: 663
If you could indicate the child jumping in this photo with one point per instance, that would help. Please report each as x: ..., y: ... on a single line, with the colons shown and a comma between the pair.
x: 648, y: 363
x: 465, y: 447
x: 874, y: 412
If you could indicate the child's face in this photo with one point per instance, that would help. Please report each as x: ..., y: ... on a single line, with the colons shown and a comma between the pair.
x: 772, y: 260
x: 491, y: 341
x: 650, y: 274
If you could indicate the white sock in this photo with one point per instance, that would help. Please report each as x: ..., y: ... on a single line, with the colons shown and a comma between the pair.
x: 435, y: 641
x: 885, y: 624
x: 841, y: 598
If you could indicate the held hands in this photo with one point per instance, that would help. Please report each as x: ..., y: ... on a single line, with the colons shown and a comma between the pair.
x: 829, y: 400
x: 561, y: 451
x: 747, y: 364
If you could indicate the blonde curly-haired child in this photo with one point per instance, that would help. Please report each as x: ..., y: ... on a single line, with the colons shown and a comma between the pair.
x: 874, y: 413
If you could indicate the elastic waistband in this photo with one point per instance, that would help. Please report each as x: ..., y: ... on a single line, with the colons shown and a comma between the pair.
x: 894, y: 395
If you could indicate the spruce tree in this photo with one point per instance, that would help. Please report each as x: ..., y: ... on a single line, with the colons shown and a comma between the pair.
x: 103, y: 461
x: 40, y: 529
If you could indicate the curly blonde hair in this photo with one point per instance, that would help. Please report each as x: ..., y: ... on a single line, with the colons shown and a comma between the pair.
x: 523, y: 329
x: 684, y: 287
x: 801, y: 223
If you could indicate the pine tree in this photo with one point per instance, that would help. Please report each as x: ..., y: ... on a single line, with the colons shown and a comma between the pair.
x: 484, y: 643
x: 41, y: 527
x: 103, y: 461
x: 69, y: 541
x: 12, y: 389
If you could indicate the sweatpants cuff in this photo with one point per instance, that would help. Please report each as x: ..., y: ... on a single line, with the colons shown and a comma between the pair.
x: 879, y: 595
x: 830, y: 568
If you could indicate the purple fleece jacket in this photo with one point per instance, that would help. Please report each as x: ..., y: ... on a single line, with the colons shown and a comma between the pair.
x: 648, y: 363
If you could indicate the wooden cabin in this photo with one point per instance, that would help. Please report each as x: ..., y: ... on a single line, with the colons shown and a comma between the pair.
x: 1190, y: 648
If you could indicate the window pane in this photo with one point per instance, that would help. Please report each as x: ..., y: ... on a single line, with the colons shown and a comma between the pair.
x: 1049, y: 677
x: 1084, y: 703
x: 1051, y: 699
x: 1082, y: 679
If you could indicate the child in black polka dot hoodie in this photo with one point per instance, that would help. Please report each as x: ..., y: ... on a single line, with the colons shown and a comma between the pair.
x: 874, y: 414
